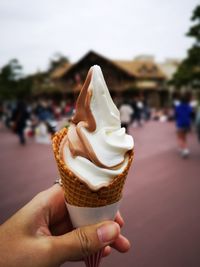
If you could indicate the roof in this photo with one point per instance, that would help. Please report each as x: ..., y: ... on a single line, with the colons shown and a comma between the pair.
x: 94, y: 58
x: 141, y: 69
x: 60, y: 71
x: 132, y: 68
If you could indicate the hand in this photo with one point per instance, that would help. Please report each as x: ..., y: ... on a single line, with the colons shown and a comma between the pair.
x: 41, y: 234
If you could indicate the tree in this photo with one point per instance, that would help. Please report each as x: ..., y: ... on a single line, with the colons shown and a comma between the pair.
x: 188, y: 73
x: 11, y: 71
x: 9, y: 75
x: 12, y: 82
x: 57, y: 61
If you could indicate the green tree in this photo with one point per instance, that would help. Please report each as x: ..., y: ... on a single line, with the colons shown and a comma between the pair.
x: 12, y: 82
x: 11, y: 71
x: 188, y: 73
x: 9, y: 76
x: 57, y: 61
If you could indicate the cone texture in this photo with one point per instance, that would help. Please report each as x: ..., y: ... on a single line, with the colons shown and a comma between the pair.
x: 78, y: 193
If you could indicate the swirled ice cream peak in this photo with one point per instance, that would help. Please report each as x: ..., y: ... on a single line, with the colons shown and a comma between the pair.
x: 96, y: 146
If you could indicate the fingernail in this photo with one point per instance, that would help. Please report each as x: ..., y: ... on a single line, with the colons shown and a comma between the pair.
x: 108, y: 232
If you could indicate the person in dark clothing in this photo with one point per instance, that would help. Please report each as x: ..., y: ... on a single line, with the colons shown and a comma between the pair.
x: 183, y: 113
x: 19, y: 118
x: 198, y: 122
x: 137, y: 106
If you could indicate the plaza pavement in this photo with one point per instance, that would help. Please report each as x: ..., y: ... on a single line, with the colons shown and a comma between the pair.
x: 161, y: 202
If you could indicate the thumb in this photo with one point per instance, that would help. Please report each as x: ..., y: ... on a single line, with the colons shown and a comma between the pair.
x: 84, y: 241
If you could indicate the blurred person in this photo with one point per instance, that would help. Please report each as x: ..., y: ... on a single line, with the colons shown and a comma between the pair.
x: 43, y: 111
x: 49, y: 107
x: 146, y: 110
x: 38, y: 109
x: 171, y: 114
x: 137, y: 106
x: 154, y: 113
x: 19, y: 118
x: 7, y: 114
x: 1, y: 110
x: 57, y: 111
x: 52, y: 126
x: 134, y: 108
x: 194, y: 104
x: 34, y: 122
x: 41, y: 235
x: 163, y: 117
x: 140, y: 107
x: 62, y: 105
x: 176, y: 102
x: 198, y: 121
x: 42, y: 134
x: 69, y: 108
x: 183, y: 122
x: 176, y: 99
x: 126, y: 112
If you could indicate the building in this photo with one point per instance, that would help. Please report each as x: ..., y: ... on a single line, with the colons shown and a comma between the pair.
x: 150, y: 79
x: 140, y: 76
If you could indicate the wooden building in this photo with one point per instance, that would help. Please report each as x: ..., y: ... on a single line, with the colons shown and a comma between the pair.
x: 134, y: 77
x: 150, y: 80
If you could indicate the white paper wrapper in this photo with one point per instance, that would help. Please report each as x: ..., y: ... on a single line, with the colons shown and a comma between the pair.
x: 81, y: 216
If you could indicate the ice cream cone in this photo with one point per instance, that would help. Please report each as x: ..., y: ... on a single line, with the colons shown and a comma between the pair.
x: 84, y: 205
x: 78, y: 193
x: 93, y: 157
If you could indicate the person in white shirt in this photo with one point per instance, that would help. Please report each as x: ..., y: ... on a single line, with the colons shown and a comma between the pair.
x: 126, y: 112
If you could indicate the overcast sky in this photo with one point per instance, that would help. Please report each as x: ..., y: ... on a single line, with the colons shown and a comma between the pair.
x: 34, y: 30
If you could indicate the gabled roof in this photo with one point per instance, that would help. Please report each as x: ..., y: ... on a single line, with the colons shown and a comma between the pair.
x: 141, y: 69
x: 95, y: 58
x: 132, y: 69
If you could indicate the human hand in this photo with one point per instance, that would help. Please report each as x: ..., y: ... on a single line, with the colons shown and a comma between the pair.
x: 41, y: 234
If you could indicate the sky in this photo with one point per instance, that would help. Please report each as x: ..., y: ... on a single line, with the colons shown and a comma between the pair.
x: 33, y: 31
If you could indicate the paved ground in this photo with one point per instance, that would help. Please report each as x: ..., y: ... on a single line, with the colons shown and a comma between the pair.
x: 161, y: 197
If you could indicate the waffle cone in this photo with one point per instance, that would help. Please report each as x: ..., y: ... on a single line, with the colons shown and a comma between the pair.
x: 78, y: 193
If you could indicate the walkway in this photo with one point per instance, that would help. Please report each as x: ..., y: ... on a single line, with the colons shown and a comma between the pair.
x: 160, y: 203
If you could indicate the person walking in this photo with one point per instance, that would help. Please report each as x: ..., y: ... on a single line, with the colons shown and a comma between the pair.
x: 126, y: 112
x: 19, y: 118
x: 198, y: 121
x: 137, y: 106
x: 183, y: 113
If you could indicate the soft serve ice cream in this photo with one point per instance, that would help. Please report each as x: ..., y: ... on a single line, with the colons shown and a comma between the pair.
x: 93, y: 156
x: 96, y: 148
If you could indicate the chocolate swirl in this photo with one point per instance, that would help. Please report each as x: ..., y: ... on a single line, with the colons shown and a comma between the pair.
x: 83, y: 112
x: 78, y: 142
